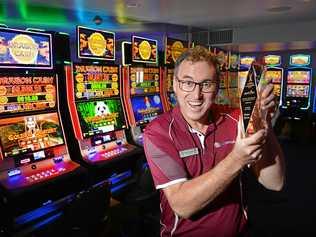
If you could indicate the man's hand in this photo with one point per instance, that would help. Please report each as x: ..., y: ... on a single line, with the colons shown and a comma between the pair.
x: 249, y: 149
x: 268, y: 103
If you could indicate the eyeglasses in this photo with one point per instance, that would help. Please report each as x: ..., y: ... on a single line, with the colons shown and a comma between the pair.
x: 206, y: 86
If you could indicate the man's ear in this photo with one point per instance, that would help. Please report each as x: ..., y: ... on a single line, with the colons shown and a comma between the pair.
x: 173, y: 83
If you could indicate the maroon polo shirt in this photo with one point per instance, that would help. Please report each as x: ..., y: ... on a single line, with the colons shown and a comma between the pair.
x: 175, y: 153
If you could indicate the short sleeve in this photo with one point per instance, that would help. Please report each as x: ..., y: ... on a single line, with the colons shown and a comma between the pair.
x: 166, y: 166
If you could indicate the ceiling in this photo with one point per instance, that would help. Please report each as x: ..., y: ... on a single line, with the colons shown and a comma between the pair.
x: 206, y: 14
x: 177, y: 16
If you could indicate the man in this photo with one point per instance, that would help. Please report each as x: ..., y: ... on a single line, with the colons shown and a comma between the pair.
x: 196, y: 155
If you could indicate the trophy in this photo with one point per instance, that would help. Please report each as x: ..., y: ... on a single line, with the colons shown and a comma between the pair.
x: 253, y: 118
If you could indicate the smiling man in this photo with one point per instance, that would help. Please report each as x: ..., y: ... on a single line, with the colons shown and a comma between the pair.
x: 196, y: 154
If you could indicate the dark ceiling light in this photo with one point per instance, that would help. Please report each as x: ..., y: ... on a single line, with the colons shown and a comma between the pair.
x: 279, y: 9
x: 97, y: 20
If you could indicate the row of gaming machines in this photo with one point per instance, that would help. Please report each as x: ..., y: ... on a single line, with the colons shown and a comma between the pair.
x: 67, y: 127
x: 292, y: 86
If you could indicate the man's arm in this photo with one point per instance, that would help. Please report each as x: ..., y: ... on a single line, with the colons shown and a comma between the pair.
x: 270, y: 170
x: 189, y: 197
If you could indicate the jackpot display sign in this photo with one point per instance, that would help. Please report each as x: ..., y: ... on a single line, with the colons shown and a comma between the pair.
x: 246, y: 61
x: 144, y: 80
x: 300, y: 60
x: 272, y: 60
x: 100, y: 116
x: 95, y: 44
x: 173, y: 49
x: 144, y: 50
x: 25, y: 49
x: 23, y: 93
x: 95, y: 81
x: 27, y: 134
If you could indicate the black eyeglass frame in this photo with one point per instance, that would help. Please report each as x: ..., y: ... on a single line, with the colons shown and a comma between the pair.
x: 181, y: 82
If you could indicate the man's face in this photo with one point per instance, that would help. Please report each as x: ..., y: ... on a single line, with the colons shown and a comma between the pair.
x: 196, y: 104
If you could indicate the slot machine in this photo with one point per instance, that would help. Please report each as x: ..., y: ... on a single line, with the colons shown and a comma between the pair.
x: 173, y: 49
x: 244, y: 66
x: 141, y: 86
x: 233, y: 79
x: 274, y: 71
x: 296, y: 96
x: 96, y: 110
x: 222, y: 97
x: 36, y: 171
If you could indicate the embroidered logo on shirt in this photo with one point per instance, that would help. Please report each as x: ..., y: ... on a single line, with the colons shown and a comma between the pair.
x: 220, y: 144
x: 189, y: 152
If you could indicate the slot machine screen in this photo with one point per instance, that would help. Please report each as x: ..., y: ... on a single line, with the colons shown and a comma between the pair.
x: 95, y: 44
x: 275, y: 75
x: 298, y: 77
x: 297, y: 91
x: 146, y: 108
x: 172, y: 99
x: 25, y: 49
x: 100, y: 116
x: 30, y: 135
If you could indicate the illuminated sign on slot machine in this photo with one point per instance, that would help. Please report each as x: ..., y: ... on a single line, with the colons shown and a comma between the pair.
x: 27, y: 93
x: 144, y: 50
x: 93, y: 81
x: 95, y: 44
x: 173, y: 49
x: 144, y: 80
x: 24, y: 49
x: 245, y: 63
x: 298, y: 84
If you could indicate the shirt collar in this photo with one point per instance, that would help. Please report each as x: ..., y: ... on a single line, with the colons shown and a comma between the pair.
x: 215, y: 115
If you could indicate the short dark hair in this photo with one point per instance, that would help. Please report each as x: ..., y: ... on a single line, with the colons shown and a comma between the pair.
x: 198, y: 54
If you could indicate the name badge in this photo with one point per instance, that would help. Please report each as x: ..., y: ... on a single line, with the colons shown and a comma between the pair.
x: 189, y: 152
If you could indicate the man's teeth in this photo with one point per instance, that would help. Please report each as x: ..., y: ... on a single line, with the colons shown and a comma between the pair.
x: 195, y: 103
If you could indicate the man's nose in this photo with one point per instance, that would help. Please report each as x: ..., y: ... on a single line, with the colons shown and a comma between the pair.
x: 197, y: 92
